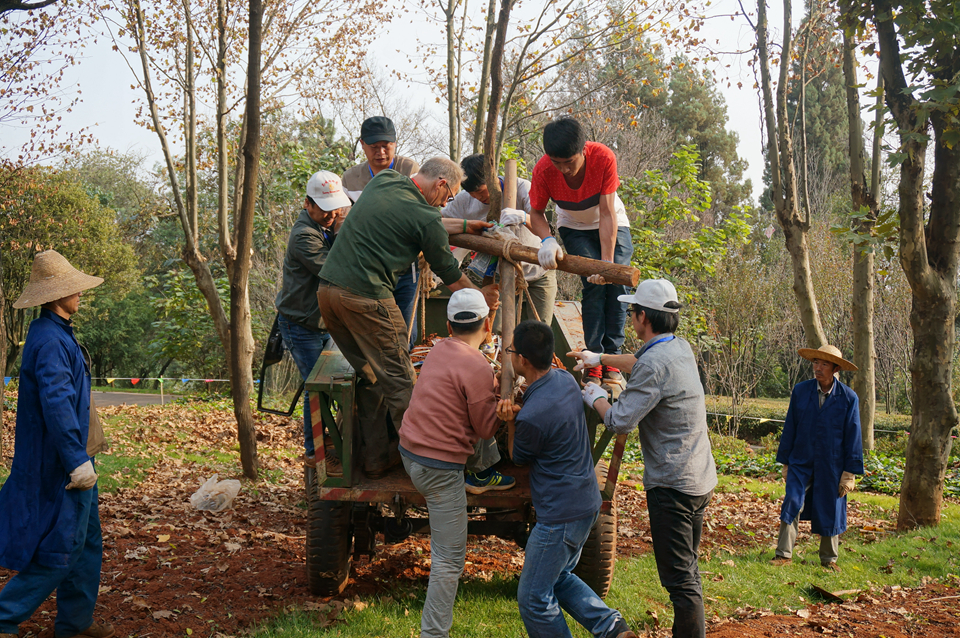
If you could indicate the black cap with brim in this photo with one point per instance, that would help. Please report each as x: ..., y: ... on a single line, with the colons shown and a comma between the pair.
x: 378, y: 129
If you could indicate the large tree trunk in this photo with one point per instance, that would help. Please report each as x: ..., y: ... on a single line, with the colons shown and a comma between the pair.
x: 241, y: 335
x: 864, y: 381
x: 928, y: 254
x: 453, y: 82
x: 491, y: 146
x: 784, y: 175
x: 484, y: 89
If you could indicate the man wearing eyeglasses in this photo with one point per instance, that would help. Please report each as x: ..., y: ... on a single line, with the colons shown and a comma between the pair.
x: 664, y: 401
x: 395, y: 220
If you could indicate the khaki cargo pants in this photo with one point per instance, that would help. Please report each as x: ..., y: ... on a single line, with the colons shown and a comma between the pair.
x: 372, y: 335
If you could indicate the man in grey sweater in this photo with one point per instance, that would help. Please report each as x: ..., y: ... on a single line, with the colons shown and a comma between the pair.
x: 664, y: 401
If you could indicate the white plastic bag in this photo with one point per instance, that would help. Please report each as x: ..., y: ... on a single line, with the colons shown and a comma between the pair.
x: 215, y: 496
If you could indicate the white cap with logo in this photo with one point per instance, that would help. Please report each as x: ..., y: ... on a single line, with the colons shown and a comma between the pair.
x: 655, y: 294
x: 326, y: 191
x: 469, y: 301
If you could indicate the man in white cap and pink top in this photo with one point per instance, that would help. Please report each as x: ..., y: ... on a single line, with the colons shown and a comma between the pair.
x: 298, y: 313
x: 449, y: 427
x: 50, y: 527
x: 821, y: 450
x: 664, y: 400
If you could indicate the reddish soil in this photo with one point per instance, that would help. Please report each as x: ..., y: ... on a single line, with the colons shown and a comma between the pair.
x: 170, y: 570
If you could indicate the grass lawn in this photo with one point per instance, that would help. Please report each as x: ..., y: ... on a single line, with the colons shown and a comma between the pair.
x: 733, y: 578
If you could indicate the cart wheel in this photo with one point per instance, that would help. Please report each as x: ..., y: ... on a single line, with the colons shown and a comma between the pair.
x: 600, y: 551
x: 599, y: 554
x: 329, y: 540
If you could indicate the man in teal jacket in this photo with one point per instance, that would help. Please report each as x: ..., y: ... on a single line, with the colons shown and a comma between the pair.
x: 49, y: 519
x: 821, y: 451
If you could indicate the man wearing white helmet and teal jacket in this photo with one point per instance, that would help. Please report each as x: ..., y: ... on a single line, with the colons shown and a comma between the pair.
x: 664, y: 401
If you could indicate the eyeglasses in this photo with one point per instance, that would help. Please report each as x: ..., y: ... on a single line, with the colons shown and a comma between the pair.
x: 449, y: 190
x: 510, y: 351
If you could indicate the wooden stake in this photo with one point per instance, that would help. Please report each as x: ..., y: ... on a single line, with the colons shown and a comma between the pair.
x: 508, y: 291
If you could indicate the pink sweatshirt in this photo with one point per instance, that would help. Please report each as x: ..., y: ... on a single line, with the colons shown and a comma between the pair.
x: 453, y: 404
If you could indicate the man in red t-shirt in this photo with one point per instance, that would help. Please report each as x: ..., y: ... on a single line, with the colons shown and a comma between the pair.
x: 581, y: 179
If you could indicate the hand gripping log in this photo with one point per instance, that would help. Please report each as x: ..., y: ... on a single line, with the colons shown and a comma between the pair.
x: 583, y: 266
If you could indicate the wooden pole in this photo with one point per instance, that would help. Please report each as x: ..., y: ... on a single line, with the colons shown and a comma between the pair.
x: 508, y: 291
x: 613, y: 273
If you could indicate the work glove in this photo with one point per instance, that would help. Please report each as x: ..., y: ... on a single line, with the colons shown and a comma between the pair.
x: 585, y: 359
x: 549, y: 253
x: 847, y: 483
x: 598, y: 280
x: 83, y: 478
x: 512, y: 216
x: 784, y: 472
x: 591, y: 393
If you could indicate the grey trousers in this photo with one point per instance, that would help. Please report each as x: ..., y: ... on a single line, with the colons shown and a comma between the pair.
x: 829, y: 545
x: 446, y: 499
x: 543, y: 291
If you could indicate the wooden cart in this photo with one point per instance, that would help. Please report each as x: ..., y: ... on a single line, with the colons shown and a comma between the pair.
x: 346, y: 513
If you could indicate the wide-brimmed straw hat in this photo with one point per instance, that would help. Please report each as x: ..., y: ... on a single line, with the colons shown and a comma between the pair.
x: 51, y: 278
x: 828, y: 353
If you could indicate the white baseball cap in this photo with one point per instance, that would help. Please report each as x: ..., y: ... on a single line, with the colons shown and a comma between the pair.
x: 326, y: 191
x: 655, y: 294
x: 467, y: 300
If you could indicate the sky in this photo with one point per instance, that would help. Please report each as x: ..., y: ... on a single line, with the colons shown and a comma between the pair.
x: 110, y: 103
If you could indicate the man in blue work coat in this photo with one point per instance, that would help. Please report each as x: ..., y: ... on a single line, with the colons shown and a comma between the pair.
x: 49, y: 518
x: 821, y: 451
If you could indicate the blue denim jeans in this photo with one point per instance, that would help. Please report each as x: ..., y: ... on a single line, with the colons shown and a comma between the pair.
x: 77, y: 584
x: 405, y: 294
x: 676, y: 522
x: 547, y: 584
x: 305, y: 347
x: 603, y: 314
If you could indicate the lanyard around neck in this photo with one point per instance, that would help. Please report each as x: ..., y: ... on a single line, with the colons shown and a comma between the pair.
x: 370, y: 168
x: 660, y: 340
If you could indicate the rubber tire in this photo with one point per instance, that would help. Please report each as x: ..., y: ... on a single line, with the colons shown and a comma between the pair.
x: 599, y: 554
x: 329, y: 541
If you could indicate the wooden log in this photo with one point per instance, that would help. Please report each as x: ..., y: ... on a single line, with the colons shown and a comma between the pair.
x: 508, y: 292
x: 583, y: 266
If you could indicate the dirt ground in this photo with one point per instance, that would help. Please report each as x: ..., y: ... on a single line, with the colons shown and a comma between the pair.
x: 170, y: 570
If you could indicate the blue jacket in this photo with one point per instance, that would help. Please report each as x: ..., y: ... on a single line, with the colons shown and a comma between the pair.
x: 819, y: 444
x: 38, y: 516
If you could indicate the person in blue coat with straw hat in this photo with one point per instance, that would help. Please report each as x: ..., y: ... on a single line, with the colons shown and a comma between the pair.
x: 821, y: 452
x: 49, y: 519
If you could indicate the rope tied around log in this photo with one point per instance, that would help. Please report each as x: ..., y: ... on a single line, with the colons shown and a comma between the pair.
x: 509, y: 241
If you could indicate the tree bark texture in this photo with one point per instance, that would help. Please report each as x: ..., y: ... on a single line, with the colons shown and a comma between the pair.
x: 484, y: 88
x: 864, y: 381
x: 929, y: 256
x: 491, y: 146
x: 3, y: 356
x: 583, y: 266
x: 784, y: 175
x: 241, y: 334
x: 453, y: 86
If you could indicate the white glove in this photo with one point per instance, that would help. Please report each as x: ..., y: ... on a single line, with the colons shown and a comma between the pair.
x: 597, y: 280
x: 512, y: 216
x: 585, y: 359
x: 83, y: 478
x: 549, y: 253
x: 591, y: 392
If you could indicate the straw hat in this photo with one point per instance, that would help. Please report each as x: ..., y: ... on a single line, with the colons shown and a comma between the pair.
x: 51, y: 278
x: 828, y: 353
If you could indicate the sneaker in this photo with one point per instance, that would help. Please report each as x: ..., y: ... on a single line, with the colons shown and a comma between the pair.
x: 780, y: 560
x: 496, y: 481
x: 612, y: 374
x: 593, y: 375
x: 97, y: 630
x: 832, y: 567
x: 308, y: 460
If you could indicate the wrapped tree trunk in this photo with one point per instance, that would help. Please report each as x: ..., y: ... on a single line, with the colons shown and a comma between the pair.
x: 508, y: 291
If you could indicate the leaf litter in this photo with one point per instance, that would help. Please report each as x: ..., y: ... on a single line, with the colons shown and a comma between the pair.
x: 170, y: 570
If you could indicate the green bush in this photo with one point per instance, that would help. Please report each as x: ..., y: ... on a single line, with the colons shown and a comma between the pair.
x: 728, y: 444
